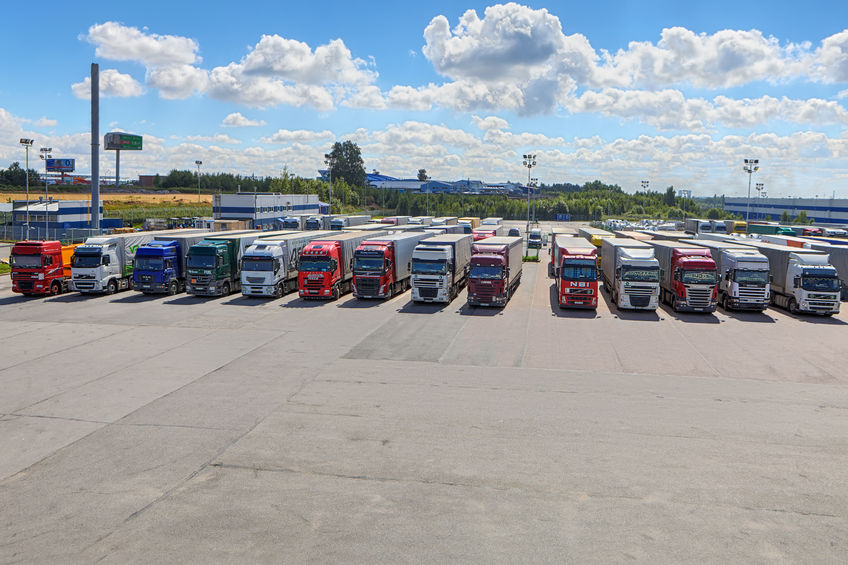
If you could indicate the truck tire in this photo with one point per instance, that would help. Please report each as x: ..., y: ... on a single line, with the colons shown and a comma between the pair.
x: 225, y: 289
x: 55, y: 289
x: 111, y: 287
x: 793, y: 306
x: 173, y: 288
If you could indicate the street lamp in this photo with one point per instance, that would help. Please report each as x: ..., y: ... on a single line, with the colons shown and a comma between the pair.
x: 645, y: 184
x: 759, y: 187
x: 26, y: 143
x: 751, y: 166
x: 529, y: 162
x: 198, y: 163
x: 328, y: 160
x: 44, y: 153
x: 534, y: 182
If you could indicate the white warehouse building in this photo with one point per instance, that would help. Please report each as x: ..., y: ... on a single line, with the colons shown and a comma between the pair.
x: 261, y: 207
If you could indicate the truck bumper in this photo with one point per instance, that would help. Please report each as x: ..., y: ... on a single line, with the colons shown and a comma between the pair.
x: 34, y: 287
x: 315, y: 293
x: 736, y: 304
x: 87, y: 285
x: 258, y: 290
x: 213, y: 289
x: 151, y: 287
x: 587, y: 302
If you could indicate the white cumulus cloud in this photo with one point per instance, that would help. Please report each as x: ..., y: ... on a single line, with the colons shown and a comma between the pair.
x: 237, y: 120
x: 218, y: 138
x: 177, y: 81
x: 285, y: 136
x: 112, y: 83
x: 123, y: 43
x: 490, y: 122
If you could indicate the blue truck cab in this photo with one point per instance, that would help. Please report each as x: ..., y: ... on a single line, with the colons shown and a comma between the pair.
x: 158, y: 268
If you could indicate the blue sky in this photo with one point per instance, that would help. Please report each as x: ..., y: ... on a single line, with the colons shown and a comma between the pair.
x: 676, y: 93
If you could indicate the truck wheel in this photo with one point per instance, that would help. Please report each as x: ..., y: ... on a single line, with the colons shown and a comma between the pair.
x: 278, y: 290
x: 793, y: 306
x: 674, y: 304
x: 55, y: 289
x: 172, y: 288
x: 225, y: 289
x: 336, y: 292
x: 112, y: 287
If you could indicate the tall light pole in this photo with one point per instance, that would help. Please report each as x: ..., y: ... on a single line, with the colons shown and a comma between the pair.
x: 44, y: 153
x: 26, y: 143
x: 534, y: 182
x: 198, y: 163
x: 759, y: 188
x: 328, y: 160
x: 529, y: 162
x: 750, y: 166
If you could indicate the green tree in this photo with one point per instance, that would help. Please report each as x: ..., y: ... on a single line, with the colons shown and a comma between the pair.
x: 801, y: 218
x: 784, y: 217
x: 713, y: 214
x: 422, y: 175
x: 668, y: 199
x: 347, y: 163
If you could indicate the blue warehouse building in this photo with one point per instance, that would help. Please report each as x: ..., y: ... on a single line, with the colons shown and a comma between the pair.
x: 263, y: 209
x: 60, y: 214
x: 820, y: 210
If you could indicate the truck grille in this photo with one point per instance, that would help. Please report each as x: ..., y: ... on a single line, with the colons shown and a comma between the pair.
x: 752, y: 293
x: 368, y: 285
x: 255, y: 280
x: 314, y: 284
x: 428, y: 292
x: 640, y: 296
x: 429, y: 283
x: 820, y: 305
x: 77, y: 277
x: 146, y: 278
x: 201, y: 280
x: 699, y: 297
x: 24, y: 285
x: 578, y: 291
x: 84, y: 285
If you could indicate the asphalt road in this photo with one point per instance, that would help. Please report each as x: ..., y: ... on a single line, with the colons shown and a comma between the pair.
x: 235, y: 430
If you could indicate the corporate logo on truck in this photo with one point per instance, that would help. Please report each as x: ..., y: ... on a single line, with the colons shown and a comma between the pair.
x: 578, y: 284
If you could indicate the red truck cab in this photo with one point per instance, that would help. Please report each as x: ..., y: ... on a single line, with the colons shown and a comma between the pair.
x: 41, y: 267
x: 319, y: 270
x: 484, y: 232
x: 576, y: 273
x: 694, y: 280
x: 373, y: 270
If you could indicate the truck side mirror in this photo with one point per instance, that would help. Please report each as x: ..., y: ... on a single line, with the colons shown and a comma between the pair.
x: 727, y: 274
x: 556, y: 272
x: 771, y: 279
x: 797, y: 282
x: 662, y: 274
x: 105, y: 259
x: 618, y: 273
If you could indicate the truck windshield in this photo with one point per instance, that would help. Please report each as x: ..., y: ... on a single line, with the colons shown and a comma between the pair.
x: 826, y: 284
x: 426, y: 267
x: 312, y: 264
x: 691, y: 276
x: 486, y: 272
x: 25, y: 261
x: 149, y: 263
x: 86, y: 261
x: 742, y: 276
x: 579, y: 272
x: 368, y: 264
x: 200, y: 261
x: 257, y: 264
x: 640, y: 274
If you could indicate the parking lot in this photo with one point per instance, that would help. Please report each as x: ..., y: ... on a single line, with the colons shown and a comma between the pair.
x: 183, y: 429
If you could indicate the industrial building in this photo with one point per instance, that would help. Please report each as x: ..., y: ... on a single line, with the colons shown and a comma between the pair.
x: 60, y: 214
x: 264, y: 209
x: 820, y: 210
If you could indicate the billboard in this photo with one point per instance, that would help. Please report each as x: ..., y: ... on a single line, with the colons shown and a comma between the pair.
x: 61, y: 165
x: 123, y: 141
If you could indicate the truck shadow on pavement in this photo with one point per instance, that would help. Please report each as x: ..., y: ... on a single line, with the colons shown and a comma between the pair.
x: 138, y: 297
x: 578, y: 313
x: 246, y: 301
x: 749, y: 316
x: 188, y: 299
x: 17, y: 299
x: 815, y: 319
x: 74, y: 297
x: 360, y: 303
x: 423, y: 307
x: 690, y: 317
x: 639, y: 315
x: 480, y: 311
x: 303, y: 303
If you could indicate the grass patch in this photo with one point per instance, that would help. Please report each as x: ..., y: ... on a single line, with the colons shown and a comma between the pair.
x: 4, y: 268
x: 531, y: 258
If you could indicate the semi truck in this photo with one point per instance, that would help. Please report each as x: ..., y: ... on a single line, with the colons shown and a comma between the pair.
x: 382, y: 266
x: 486, y: 231
x: 326, y: 265
x: 838, y: 258
x: 743, y: 275
x: 696, y: 226
x: 421, y: 220
x: 342, y: 222
x: 40, y: 267
x: 396, y: 220
x: 269, y: 265
x: 575, y: 269
x: 802, y: 280
x: 213, y: 266
x: 160, y: 266
x: 445, y: 228
x: 444, y: 221
x: 495, y: 270
x: 105, y: 263
x: 671, y: 235
x: 491, y: 221
x: 440, y: 267
x: 469, y: 223
x: 787, y: 240
x: 631, y: 273
x: 734, y: 226
x: 688, y: 276
x: 769, y: 229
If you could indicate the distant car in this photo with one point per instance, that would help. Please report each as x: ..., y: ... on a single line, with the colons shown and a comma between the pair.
x: 514, y: 232
x: 534, y: 241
